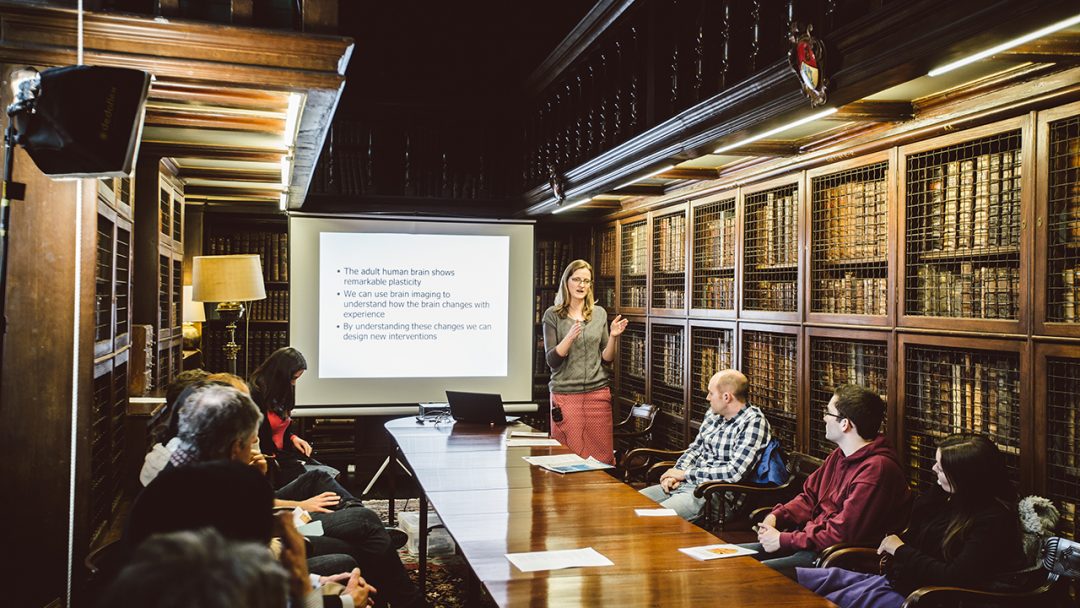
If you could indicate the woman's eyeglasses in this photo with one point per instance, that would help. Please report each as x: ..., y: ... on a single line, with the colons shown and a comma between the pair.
x: 581, y: 281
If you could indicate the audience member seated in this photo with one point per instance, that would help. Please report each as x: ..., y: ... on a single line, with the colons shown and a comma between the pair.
x: 199, y: 569
x: 856, y: 496
x: 273, y: 386
x: 163, y: 425
x: 221, y: 423
x: 963, y: 533
x: 730, y: 442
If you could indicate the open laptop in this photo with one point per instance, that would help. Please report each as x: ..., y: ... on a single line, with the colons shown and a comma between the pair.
x: 478, y: 407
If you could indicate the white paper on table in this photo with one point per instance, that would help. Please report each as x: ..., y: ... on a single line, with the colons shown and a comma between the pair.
x: 555, y: 560
x: 708, y: 552
x: 537, y: 434
x: 655, y: 512
x: 529, y: 443
x: 555, y: 460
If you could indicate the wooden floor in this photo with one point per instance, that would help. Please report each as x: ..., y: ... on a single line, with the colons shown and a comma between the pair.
x: 493, y: 503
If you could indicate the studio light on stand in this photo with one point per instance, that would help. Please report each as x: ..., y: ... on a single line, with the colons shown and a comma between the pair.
x: 228, y: 280
x: 74, y: 122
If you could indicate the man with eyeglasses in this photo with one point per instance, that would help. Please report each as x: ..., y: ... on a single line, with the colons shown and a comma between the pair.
x: 858, y: 495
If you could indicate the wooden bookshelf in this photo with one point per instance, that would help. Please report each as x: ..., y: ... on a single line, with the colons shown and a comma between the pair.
x: 1057, y: 445
x: 631, y: 369
x: 157, y: 261
x: 1057, y: 284
x: 837, y: 357
x: 669, y: 240
x: 712, y: 348
x: 769, y: 356
x: 668, y: 386
x: 963, y: 213
x: 606, y: 266
x: 112, y: 323
x: 849, y: 242
x: 951, y: 384
x: 715, y: 230
x: 265, y: 326
x: 634, y: 265
x: 770, y: 251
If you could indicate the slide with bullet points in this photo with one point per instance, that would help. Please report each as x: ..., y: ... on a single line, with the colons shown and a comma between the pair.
x: 412, y: 305
x: 393, y: 311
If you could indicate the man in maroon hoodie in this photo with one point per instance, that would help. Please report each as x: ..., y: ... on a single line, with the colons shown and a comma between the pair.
x: 858, y: 495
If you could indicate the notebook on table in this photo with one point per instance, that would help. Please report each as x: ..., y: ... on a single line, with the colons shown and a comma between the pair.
x: 485, y: 408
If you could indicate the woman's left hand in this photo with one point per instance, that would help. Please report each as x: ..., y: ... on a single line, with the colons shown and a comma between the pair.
x: 890, y: 544
x: 301, y: 446
x: 618, y: 324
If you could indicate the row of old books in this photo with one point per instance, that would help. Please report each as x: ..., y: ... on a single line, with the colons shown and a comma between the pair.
x: 715, y: 241
x: 669, y: 297
x: 773, y: 295
x: 634, y: 296
x: 274, y: 308
x: 773, y: 230
x: 852, y: 222
x: 984, y: 292
x: 973, y: 203
x: 717, y: 354
x: 346, y: 164
x: 1068, y: 298
x: 635, y: 249
x: 552, y: 257
x: 544, y: 300
x: 668, y: 363
x: 770, y: 366
x: 956, y: 391
x: 716, y: 293
x: 851, y: 295
x: 1063, y: 410
x: 670, y: 252
x: 1065, y: 185
x: 272, y: 248
x: 633, y: 349
x: 605, y: 294
x: 255, y: 346
x: 607, y: 264
x: 836, y: 363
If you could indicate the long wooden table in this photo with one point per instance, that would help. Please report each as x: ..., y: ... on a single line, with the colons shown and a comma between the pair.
x: 493, y: 502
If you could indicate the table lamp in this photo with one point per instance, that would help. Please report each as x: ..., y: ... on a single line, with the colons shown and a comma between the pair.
x: 193, y: 312
x: 228, y: 280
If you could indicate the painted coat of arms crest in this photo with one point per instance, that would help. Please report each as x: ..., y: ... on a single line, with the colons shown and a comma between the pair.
x: 807, y: 59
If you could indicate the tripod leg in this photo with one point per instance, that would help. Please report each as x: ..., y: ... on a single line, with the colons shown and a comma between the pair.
x: 378, y: 473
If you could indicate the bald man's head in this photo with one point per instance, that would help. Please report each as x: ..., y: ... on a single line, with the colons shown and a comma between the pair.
x: 728, y: 392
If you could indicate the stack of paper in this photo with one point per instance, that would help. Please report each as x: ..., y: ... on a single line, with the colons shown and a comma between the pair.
x: 555, y: 560
x: 716, y: 551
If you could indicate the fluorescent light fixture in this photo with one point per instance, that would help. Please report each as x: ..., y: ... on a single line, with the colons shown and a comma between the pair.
x: 1060, y: 25
x: 292, y: 118
x: 286, y: 171
x: 780, y: 129
x: 284, y: 204
x: 576, y: 203
x: 663, y: 169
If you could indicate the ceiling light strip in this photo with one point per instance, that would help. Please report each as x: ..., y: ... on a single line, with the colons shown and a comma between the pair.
x: 576, y: 203
x: 1060, y: 25
x: 780, y: 129
x: 663, y: 169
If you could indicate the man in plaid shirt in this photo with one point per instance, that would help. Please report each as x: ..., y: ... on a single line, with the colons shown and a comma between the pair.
x: 728, y: 446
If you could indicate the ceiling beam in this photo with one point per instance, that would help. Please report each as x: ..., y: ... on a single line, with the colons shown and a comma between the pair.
x: 767, y: 147
x: 689, y: 173
x: 1058, y: 47
x: 874, y: 111
x: 640, y: 190
x: 244, y: 175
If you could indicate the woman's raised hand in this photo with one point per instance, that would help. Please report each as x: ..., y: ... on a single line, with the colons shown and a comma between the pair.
x: 618, y: 325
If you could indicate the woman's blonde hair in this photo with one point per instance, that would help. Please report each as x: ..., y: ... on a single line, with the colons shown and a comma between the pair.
x: 562, y: 297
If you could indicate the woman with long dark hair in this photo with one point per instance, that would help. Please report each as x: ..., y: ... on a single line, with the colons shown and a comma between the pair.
x: 273, y: 386
x: 962, y: 533
x: 579, y: 348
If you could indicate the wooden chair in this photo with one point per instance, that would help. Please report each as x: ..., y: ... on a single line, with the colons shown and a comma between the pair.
x: 1045, y: 584
x: 637, y: 425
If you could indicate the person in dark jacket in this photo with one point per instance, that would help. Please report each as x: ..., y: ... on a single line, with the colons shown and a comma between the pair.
x: 962, y: 534
x: 856, y: 495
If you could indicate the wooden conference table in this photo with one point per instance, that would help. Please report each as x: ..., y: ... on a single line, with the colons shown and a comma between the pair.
x: 493, y: 502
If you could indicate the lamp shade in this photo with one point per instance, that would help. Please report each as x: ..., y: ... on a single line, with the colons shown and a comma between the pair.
x: 227, y: 278
x: 194, y: 312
